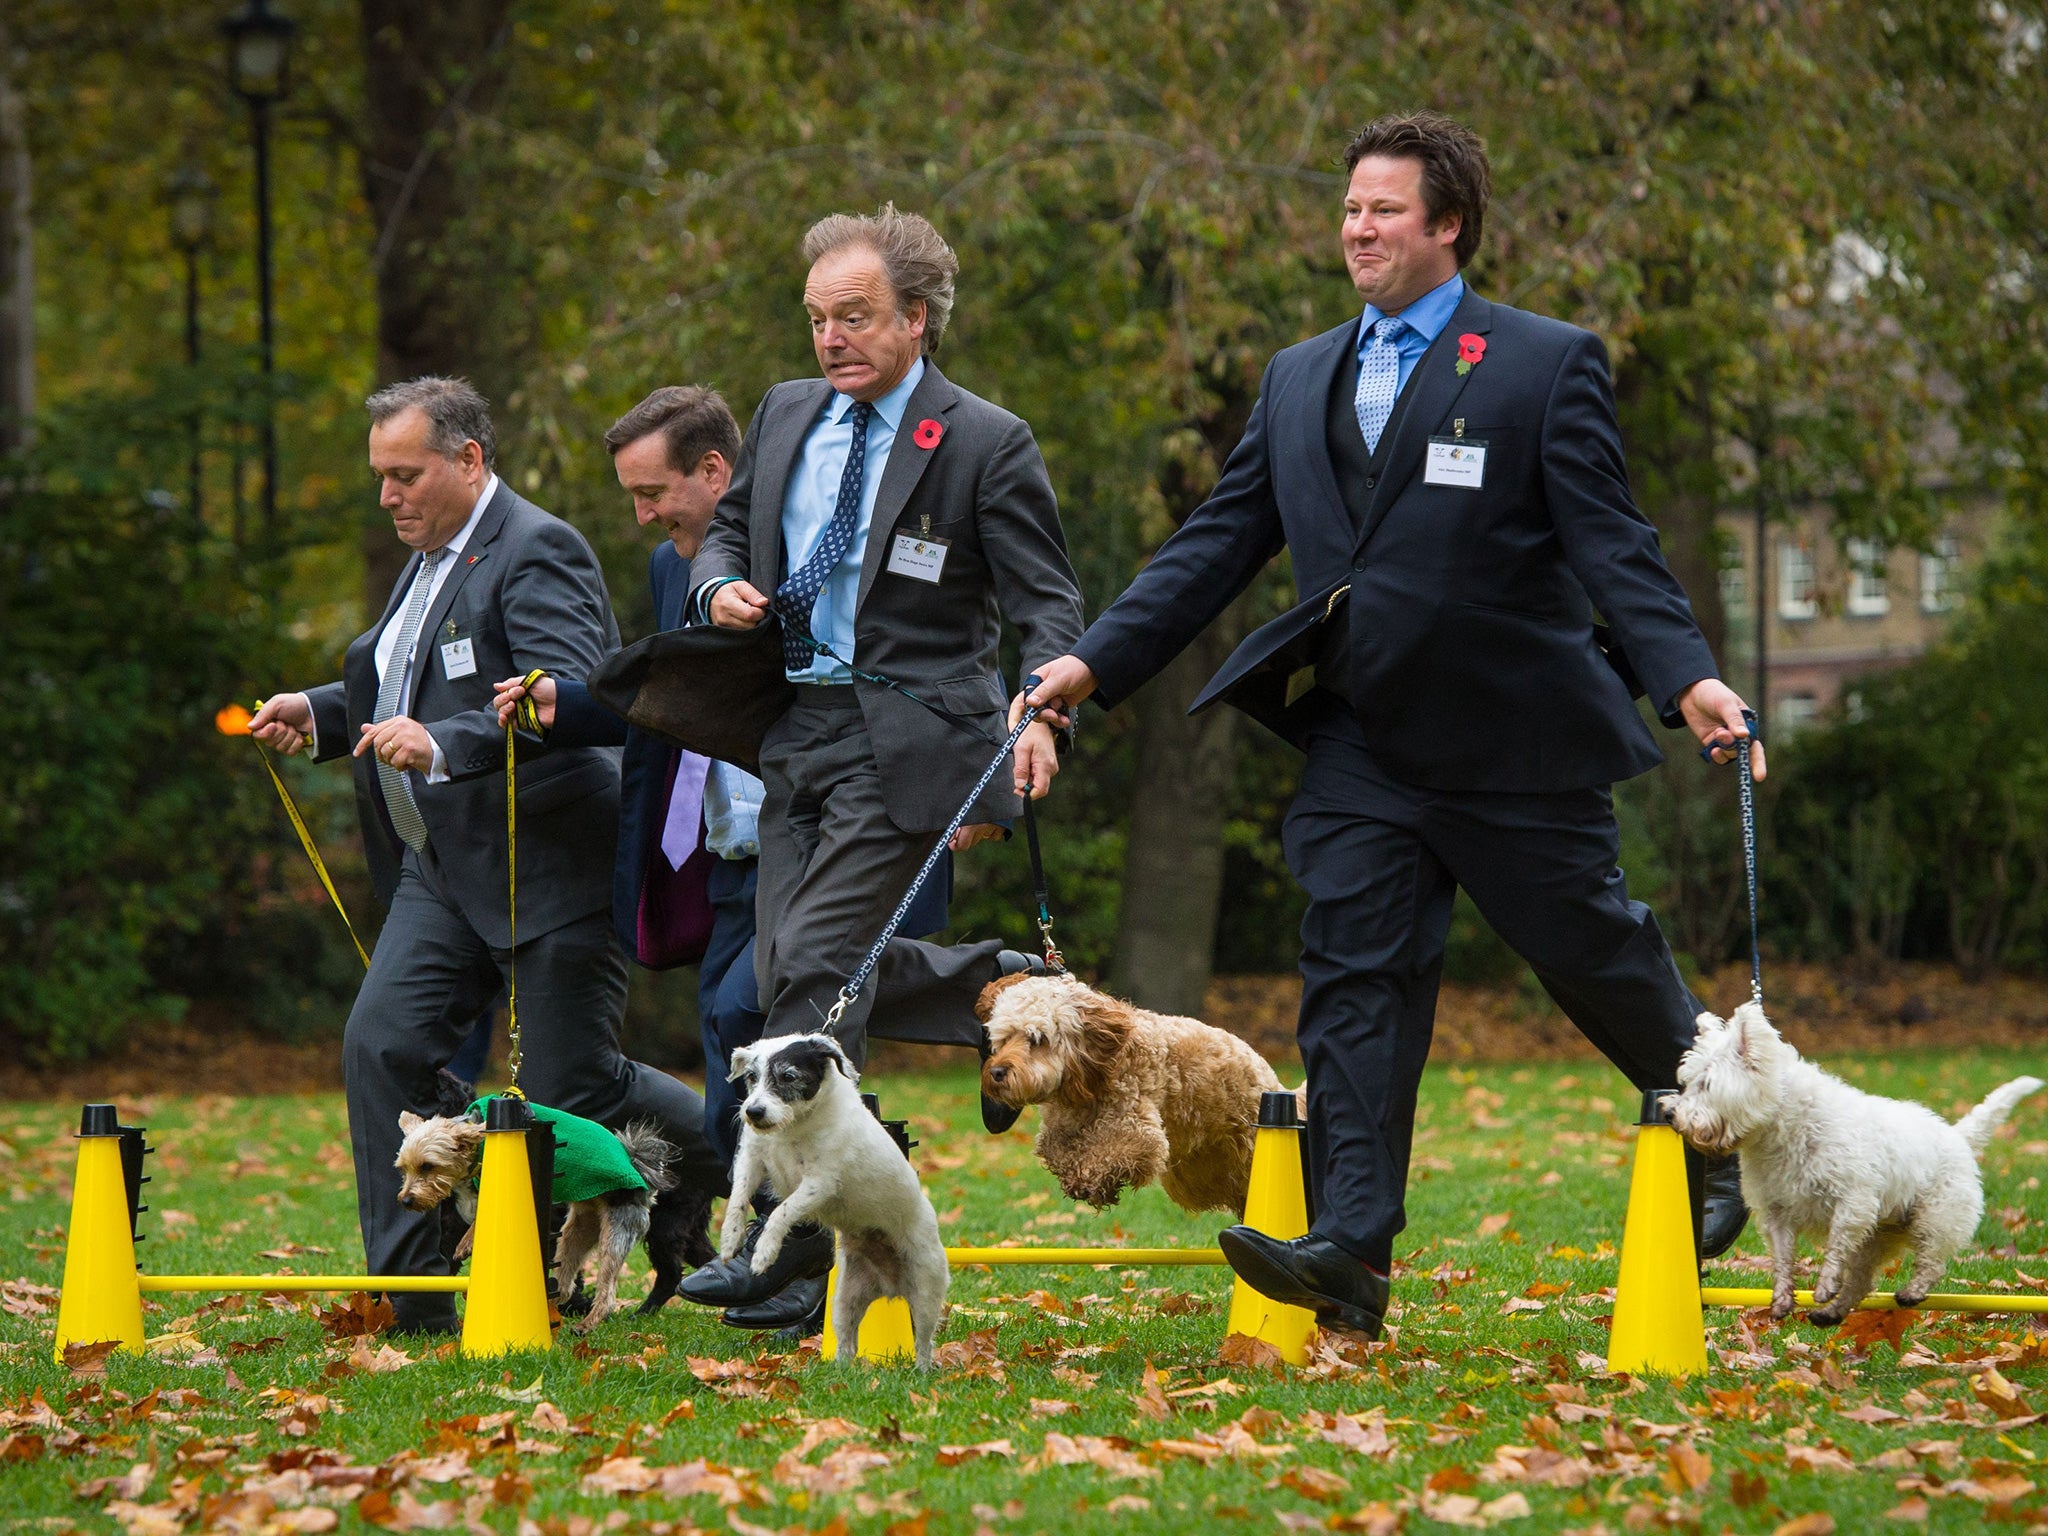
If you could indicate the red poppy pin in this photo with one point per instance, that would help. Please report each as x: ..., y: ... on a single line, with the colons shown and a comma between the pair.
x: 928, y: 434
x: 1471, y: 349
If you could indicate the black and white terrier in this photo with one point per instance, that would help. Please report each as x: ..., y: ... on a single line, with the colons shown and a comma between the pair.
x: 441, y: 1155
x: 805, y: 1132
x: 1868, y: 1175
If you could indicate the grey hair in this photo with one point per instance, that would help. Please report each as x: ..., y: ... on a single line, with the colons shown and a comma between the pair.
x: 915, y: 258
x: 456, y: 413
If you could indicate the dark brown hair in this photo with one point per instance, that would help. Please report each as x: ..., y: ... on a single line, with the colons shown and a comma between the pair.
x: 691, y: 419
x: 1455, y: 177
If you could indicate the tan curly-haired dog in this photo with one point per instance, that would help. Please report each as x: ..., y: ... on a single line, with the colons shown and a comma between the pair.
x: 1127, y: 1097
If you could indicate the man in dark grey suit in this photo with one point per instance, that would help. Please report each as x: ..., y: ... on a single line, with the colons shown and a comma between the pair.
x: 496, y: 586
x: 887, y: 520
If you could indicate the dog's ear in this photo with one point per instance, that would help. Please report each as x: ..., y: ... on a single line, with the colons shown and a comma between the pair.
x: 1105, y: 1027
x: 985, y: 1004
x: 408, y: 1121
x: 844, y: 1063
x: 739, y: 1064
x: 1707, y: 1022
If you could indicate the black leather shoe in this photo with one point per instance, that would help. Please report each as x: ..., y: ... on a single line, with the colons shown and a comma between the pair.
x: 790, y: 1307
x: 806, y: 1252
x: 1310, y: 1272
x: 1724, y: 1215
x: 996, y: 1116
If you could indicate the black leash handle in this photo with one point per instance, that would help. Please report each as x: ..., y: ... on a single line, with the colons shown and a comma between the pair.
x: 1745, y: 778
x: 859, y: 979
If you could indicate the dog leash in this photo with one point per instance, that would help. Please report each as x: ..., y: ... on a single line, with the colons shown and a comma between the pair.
x: 859, y: 979
x: 526, y: 714
x: 1040, y: 886
x: 1746, y: 782
x: 233, y: 727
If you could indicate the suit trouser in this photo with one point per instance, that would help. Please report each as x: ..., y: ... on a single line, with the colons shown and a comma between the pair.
x: 1381, y: 861
x: 729, y: 1008
x: 833, y: 868
x: 429, y: 977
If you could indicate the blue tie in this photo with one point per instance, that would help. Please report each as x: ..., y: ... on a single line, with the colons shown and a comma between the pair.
x: 795, y: 598
x: 1379, y: 379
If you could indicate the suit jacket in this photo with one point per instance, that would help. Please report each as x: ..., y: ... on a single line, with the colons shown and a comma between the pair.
x: 1467, y: 641
x: 983, y: 488
x: 643, y: 810
x: 527, y: 592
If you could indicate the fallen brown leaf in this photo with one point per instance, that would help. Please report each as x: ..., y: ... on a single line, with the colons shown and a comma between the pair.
x: 1747, y: 1489
x: 1315, y: 1483
x: 1819, y: 1523
x: 1863, y: 1330
x: 1690, y: 1471
x: 358, y: 1317
x: 1998, y: 1394
x: 1241, y: 1349
x: 1150, y: 1398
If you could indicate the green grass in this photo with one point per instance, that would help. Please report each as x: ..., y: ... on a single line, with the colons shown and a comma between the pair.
x: 1545, y: 1147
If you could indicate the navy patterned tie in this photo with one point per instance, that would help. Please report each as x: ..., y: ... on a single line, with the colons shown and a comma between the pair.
x: 795, y: 598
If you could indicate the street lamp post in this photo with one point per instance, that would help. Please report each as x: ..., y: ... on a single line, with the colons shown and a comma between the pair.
x: 191, y: 199
x: 259, y: 64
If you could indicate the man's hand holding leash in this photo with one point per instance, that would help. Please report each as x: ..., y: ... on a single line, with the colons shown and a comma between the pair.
x: 1713, y: 712
x: 737, y: 605
x: 1061, y: 686
x: 513, y: 689
x: 284, y: 723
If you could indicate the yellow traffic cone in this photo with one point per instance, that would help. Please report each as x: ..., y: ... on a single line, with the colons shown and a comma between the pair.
x: 1658, y: 1330
x: 102, y: 1296
x: 1277, y: 1205
x: 885, y: 1332
x: 508, y: 1294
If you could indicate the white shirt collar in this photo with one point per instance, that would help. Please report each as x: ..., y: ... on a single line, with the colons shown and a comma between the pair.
x: 890, y: 407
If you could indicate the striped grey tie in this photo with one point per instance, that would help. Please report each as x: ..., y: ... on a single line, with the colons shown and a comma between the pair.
x: 397, y: 786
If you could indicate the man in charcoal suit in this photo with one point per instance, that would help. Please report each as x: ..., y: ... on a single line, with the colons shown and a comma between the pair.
x: 683, y: 889
x: 885, y: 521
x: 1447, y: 474
x: 496, y: 585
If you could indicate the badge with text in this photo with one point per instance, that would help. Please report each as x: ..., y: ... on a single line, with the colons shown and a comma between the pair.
x: 1459, y: 461
x: 921, y: 559
x: 458, y: 658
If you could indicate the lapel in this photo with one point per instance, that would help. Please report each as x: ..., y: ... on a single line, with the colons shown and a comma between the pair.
x: 673, y: 596
x: 782, y: 441
x: 1432, y: 391
x: 473, y: 554
x: 934, y: 396
x: 1323, y: 367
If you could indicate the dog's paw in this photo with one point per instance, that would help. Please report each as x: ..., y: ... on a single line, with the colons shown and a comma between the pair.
x: 1827, y: 1317
x: 1782, y: 1306
x: 1100, y: 1193
x: 1909, y: 1297
x: 764, y: 1259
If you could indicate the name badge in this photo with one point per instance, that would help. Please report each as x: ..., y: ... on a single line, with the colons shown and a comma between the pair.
x: 458, y: 659
x: 921, y: 559
x: 1459, y: 461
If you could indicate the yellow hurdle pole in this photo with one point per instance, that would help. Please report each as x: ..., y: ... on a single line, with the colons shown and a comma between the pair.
x: 454, y: 1283
x: 1657, y: 1328
x: 101, y: 1300
x: 1878, y: 1301
x: 1276, y: 1204
x: 1135, y: 1258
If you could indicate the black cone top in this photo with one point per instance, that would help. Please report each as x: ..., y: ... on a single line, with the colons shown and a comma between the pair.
x: 100, y: 1120
x: 1276, y: 1110
x: 507, y: 1114
x: 1657, y: 1106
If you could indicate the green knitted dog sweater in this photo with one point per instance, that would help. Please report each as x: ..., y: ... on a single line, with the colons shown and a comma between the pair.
x: 589, y: 1161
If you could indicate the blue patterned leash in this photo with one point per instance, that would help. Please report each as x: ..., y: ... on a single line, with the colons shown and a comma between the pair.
x: 859, y: 979
x: 1745, y: 779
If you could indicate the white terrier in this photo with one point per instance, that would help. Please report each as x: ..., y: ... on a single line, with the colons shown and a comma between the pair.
x: 1873, y: 1175
x: 805, y: 1131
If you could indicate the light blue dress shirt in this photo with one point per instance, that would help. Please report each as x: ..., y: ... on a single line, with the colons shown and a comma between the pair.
x: 1425, y: 318
x: 732, y: 812
x: 807, y: 511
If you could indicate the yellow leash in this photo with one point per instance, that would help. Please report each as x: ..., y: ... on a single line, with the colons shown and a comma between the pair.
x: 528, y: 716
x: 229, y: 725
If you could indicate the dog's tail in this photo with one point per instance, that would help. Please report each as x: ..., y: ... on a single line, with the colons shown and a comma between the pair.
x: 651, y: 1155
x: 1979, y: 1123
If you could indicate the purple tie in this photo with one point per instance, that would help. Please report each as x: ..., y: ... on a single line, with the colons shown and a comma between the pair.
x: 685, y: 809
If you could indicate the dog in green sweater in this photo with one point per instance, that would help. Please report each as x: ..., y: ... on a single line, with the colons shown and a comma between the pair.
x: 619, y: 1189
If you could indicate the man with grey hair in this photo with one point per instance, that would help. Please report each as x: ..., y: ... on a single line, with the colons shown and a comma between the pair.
x: 495, y: 586
x: 881, y: 521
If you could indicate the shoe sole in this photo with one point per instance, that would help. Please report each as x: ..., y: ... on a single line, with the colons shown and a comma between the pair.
x: 1278, y: 1285
x: 1714, y: 1251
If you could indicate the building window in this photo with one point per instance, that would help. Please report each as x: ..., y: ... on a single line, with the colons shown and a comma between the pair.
x: 1867, y: 595
x: 1796, y: 599
x: 1938, y: 576
x: 1795, y: 711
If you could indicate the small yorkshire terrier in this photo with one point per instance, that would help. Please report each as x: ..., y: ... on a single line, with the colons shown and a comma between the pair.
x: 441, y: 1155
x: 1874, y: 1176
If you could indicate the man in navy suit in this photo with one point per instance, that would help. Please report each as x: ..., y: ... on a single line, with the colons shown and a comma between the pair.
x: 1447, y: 474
